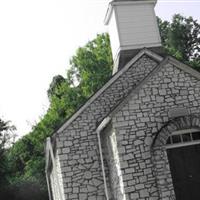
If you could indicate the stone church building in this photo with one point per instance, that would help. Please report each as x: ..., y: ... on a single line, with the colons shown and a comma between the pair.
x: 137, y: 137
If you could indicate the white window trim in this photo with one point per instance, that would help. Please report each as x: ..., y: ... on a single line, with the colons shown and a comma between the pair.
x: 182, y: 143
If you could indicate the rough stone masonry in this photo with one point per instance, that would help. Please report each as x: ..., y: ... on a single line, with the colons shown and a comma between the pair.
x: 138, y: 102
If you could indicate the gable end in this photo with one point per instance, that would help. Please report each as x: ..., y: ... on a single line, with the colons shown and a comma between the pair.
x: 155, y: 57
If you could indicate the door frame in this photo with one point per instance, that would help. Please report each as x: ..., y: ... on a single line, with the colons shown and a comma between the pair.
x: 159, y: 148
x: 184, y: 146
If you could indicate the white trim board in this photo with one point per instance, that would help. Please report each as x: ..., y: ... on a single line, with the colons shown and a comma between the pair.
x: 112, y: 80
x: 137, y: 88
x: 179, y: 145
x: 168, y: 59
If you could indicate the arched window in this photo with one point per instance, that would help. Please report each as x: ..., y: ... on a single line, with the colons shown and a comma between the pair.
x: 183, y: 138
x: 176, y: 150
x: 178, y: 130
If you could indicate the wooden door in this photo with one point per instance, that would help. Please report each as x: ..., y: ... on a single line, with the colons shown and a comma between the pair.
x: 185, y: 169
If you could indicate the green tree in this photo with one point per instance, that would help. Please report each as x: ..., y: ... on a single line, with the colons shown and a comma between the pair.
x: 7, y: 135
x: 164, y: 27
x: 181, y: 38
x: 56, y: 82
x: 89, y: 69
x: 92, y: 65
x: 7, y: 138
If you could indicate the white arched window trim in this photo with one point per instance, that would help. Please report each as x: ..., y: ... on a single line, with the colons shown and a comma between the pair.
x: 183, y: 138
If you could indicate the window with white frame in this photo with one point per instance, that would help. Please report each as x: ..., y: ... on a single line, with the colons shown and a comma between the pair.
x: 183, y: 138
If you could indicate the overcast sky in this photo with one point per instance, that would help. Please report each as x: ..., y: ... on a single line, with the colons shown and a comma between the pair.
x: 37, y: 39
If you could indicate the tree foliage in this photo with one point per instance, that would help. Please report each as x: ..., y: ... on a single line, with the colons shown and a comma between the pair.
x: 181, y: 39
x: 89, y: 69
x: 6, y: 135
x: 7, y: 138
x: 92, y: 65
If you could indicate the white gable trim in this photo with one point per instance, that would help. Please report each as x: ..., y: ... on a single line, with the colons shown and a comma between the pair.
x: 113, y: 79
x: 184, y: 67
x: 168, y: 59
x: 49, y: 153
x: 138, y: 87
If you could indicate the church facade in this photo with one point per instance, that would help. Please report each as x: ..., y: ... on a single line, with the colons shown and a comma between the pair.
x: 138, y: 137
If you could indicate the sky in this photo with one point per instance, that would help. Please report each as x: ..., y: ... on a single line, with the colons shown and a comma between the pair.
x: 37, y: 40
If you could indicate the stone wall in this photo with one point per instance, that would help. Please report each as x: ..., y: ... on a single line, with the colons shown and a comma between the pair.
x: 145, y: 169
x: 78, y: 144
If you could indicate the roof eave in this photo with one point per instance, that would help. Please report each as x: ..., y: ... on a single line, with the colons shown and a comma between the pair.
x: 113, y: 78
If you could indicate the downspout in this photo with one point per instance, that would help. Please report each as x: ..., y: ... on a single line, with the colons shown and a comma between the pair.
x: 99, y: 129
x: 48, y: 186
x: 46, y: 168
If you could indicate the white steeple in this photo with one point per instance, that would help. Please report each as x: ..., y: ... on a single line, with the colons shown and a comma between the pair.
x: 132, y: 26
